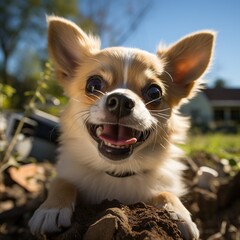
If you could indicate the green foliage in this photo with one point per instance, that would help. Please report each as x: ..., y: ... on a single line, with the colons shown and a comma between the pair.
x: 7, y: 90
x: 7, y: 155
x: 224, y: 146
x: 23, y: 37
x: 6, y: 93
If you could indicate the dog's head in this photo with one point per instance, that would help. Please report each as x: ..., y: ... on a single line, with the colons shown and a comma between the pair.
x: 124, y: 97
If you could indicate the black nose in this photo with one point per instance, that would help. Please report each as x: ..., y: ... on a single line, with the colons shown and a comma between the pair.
x: 119, y: 105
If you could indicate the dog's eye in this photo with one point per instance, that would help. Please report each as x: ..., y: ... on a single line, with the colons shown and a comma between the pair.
x: 153, y: 94
x: 94, y: 84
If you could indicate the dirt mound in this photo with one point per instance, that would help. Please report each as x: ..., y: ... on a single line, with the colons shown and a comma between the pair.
x: 108, y: 220
x: 215, y: 207
x: 113, y: 220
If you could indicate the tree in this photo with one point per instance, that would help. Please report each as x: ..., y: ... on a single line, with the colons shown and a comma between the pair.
x: 23, y: 33
x: 22, y: 21
x: 116, y: 22
x: 219, y: 83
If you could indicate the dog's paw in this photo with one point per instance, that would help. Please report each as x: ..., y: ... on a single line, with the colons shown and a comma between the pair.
x: 50, y: 220
x: 178, y: 212
x: 186, y: 226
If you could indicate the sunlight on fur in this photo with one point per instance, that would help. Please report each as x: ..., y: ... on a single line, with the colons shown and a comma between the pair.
x: 121, y: 125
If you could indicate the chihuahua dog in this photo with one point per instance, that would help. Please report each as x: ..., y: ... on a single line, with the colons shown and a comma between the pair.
x: 120, y: 126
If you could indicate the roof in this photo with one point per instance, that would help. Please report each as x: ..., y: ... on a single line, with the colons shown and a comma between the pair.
x: 223, y: 93
x: 223, y: 97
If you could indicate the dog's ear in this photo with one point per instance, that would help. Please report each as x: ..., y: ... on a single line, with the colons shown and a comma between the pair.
x: 186, y: 61
x: 68, y: 46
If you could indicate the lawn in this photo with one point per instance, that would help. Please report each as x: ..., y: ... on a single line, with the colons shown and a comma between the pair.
x: 223, y: 145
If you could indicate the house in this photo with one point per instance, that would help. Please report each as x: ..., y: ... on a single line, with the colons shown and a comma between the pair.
x: 215, y: 106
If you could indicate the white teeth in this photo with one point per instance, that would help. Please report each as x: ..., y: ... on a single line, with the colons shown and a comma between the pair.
x: 99, y: 131
x: 108, y: 144
x: 115, y: 146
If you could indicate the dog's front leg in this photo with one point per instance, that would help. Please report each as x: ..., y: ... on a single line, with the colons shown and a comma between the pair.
x: 172, y: 203
x: 56, y: 212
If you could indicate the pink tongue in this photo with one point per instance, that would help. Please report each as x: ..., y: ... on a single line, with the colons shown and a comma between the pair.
x: 117, y: 135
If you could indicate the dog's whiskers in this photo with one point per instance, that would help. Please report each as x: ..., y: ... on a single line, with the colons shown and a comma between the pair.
x: 162, y: 146
x: 77, y: 100
x: 85, y: 121
x: 163, y: 137
x: 92, y: 95
x: 165, y: 117
x: 74, y: 99
x: 166, y: 135
x: 161, y: 114
x: 155, y: 130
x: 159, y: 98
x: 169, y: 75
x: 77, y: 116
x: 158, y: 111
x: 102, y: 93
x: 83, y: 113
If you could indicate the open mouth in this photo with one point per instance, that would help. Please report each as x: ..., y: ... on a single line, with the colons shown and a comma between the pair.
x: 115, y: 141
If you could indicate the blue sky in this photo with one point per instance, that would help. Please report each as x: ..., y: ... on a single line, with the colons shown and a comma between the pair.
x: 169, y: 20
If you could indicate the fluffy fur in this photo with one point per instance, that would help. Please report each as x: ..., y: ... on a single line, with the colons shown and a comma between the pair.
x: 155, y: 171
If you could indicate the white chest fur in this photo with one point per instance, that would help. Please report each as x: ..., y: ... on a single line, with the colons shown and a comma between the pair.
x: 96, y: 186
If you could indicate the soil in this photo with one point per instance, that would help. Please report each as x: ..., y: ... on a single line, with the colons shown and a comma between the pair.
x: 215, y: 207
x: 113, y: 220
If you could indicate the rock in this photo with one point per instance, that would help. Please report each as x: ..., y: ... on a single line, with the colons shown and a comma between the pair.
x: 205, y: 176
x: 104, y: 228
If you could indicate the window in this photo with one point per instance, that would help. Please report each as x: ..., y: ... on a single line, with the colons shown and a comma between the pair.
x: 218, y: 114
x: 235, y: 115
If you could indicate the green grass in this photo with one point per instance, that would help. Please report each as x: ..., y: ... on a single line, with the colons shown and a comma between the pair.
x: 223, y: 145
